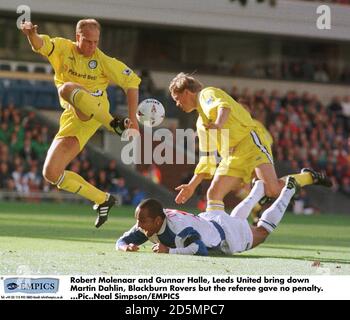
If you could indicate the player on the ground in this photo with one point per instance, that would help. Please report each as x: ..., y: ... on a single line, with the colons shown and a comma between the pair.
x: 82, y: 74
x: 240, y: 143
x: 178, y: 232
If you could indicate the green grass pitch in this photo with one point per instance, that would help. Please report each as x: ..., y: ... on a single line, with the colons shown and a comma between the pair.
x: 61, y: 239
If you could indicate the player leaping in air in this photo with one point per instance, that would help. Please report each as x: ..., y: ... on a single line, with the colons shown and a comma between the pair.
x: 82, y: 74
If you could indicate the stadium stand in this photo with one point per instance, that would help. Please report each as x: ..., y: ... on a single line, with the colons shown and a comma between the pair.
x: 308, y: 130
x: 24, y: 142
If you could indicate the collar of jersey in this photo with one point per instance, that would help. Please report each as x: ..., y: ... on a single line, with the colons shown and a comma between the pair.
x: 162, y: 228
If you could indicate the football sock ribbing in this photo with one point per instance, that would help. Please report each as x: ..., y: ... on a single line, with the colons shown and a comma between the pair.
x: 72, y: 182
x: 215, y: 205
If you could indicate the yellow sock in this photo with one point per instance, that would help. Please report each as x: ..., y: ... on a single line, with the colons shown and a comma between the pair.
x: 256, y: 210
x: 72, y: 182
x: 215, y: 205
x: 89, y: 105
x: 303, y: 179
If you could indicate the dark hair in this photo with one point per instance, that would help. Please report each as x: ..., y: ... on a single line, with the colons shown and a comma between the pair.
x: 154, y: 208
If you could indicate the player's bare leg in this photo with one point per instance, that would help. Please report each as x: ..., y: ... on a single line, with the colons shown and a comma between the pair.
x: 268, y: 185
x: 60, y: 154
x: 219, y: 188
x: 62, y: 151
x: 266, y: 172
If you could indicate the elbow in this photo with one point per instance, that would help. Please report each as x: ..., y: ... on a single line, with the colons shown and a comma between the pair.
x: 202, y: 249
x: 119, y: 244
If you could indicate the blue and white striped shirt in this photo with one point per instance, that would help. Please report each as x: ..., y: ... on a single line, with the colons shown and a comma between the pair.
x: 182, y: 232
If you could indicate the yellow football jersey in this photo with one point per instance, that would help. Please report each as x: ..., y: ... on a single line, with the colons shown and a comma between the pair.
x: 237, y: 127
x: 239, y: 123
x: 267, y: 135
x: 93, y: 73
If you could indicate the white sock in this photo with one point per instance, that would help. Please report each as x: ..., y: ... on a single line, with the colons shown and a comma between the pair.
x: 243, y: 209
x: 273, y: 215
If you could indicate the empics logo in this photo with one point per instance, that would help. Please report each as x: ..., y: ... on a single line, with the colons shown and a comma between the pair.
x: 29, y: 285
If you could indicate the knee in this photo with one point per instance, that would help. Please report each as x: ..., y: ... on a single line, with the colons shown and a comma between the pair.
x: 212, y: 193
x: 50, y: 174
x: 66, y: 89
x: 273, y: 191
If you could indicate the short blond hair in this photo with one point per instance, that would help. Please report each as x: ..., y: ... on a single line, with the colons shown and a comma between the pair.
x: 184, y: 81
x: 87, y: 23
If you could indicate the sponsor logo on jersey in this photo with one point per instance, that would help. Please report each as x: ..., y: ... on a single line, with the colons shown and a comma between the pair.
x: 210, y: 100
x: 92, y: 64
x: 81, y: 75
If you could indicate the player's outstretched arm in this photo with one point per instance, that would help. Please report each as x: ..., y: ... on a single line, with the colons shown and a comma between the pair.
x: 31, y: 31
x: 133, y: 98
x: 186, y: 190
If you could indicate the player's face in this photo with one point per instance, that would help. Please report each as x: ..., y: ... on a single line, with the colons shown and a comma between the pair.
x: 185, y: 100
x: 149, y: 225
x: 87, y: 41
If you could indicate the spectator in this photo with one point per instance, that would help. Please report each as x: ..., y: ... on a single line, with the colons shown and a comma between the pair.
x: 137, y: 196
x: 119, y: 188
x: 302, y: 204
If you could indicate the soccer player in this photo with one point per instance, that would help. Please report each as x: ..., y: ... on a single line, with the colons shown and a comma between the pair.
x: 240, y: 142
x: 82, y: 74
x: 178, y: 232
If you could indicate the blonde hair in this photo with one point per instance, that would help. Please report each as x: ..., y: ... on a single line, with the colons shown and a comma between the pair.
x: 184, y: 81
x: 87, y: 23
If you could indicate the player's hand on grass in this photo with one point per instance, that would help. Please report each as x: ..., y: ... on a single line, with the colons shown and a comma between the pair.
x: 186, y: 192
x: 160, y: 248
x: 28, y: 28
x: 130, y: 247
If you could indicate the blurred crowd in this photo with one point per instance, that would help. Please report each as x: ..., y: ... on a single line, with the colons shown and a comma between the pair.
x: 306, y: 132
x: 302, y: 70
x: 24, y: 142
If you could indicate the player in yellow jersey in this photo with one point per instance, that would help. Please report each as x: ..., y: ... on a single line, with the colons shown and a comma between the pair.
x: 242, y: 145
x: 82, y: 74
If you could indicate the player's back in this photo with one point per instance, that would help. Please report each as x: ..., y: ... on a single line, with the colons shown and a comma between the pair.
x: 181, y: 222
x: 239, y: 122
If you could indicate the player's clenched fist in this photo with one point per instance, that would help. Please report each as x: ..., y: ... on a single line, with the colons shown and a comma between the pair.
x: 28, y: 28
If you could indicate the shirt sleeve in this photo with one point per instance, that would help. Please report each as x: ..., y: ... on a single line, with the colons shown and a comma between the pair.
x: 119, y: 73
x: 134, y: 235
x: 188, y: 241
x: 211, y: 98
x: 50, y: 46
